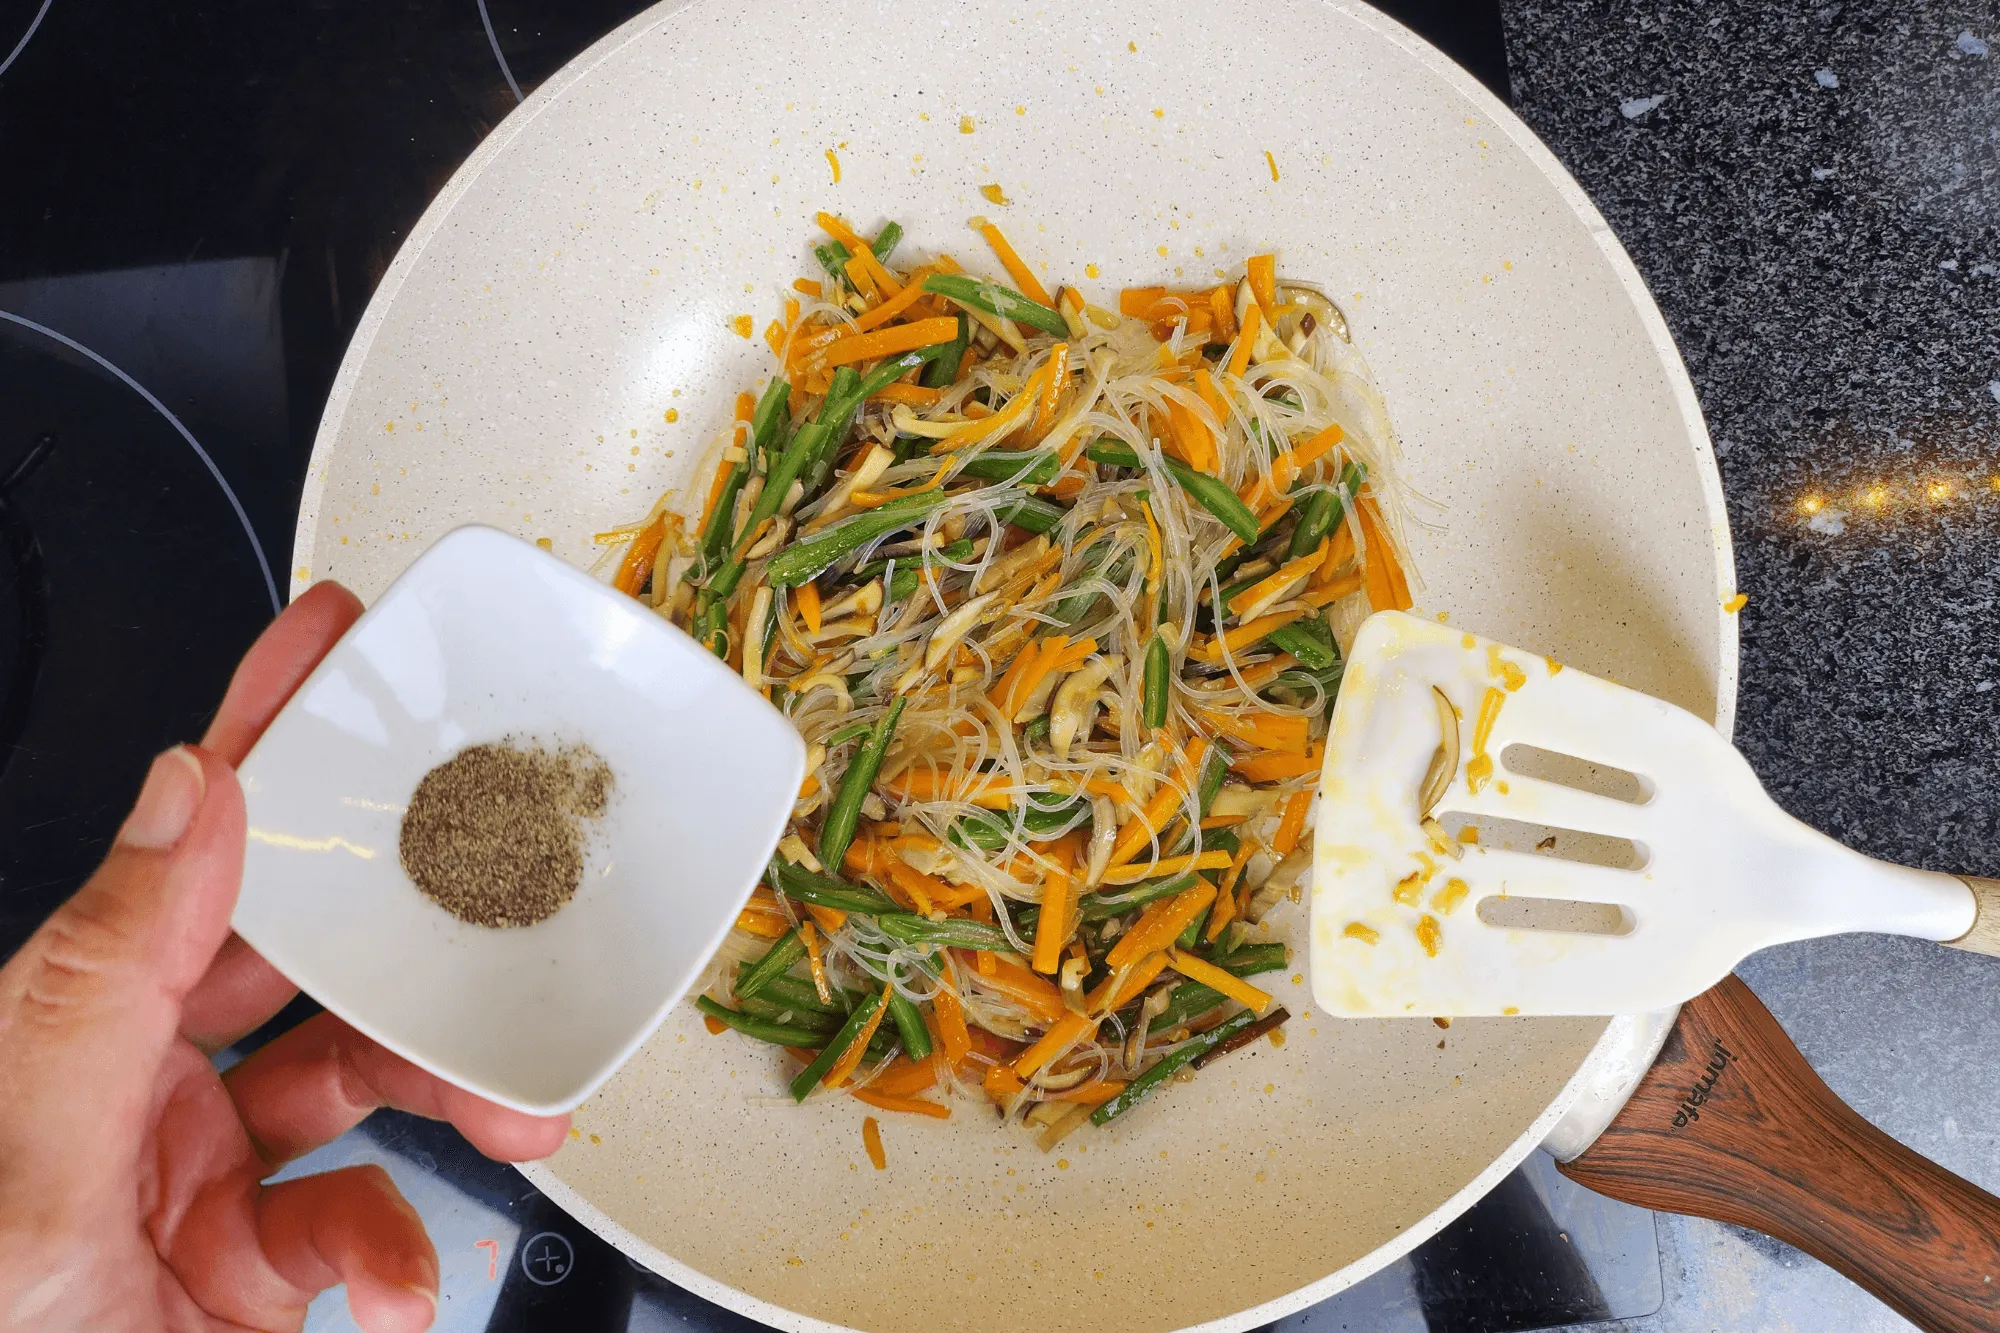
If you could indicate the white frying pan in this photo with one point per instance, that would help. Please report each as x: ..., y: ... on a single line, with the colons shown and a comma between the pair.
x: 554, y: 345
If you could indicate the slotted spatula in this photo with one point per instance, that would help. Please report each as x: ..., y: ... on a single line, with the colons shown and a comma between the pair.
x: 1640, y: 866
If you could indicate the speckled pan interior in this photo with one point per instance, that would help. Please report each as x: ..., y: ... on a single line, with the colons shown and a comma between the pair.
x: 554, y: 346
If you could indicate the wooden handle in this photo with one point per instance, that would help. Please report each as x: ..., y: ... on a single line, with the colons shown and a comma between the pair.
x: 1732, y: 1124
x: 1984, y: 937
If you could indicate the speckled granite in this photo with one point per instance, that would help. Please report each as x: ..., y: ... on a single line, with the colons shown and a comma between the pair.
x: 1813, y: 194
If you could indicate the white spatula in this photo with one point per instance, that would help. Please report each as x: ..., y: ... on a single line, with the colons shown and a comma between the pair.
x: 1626, y: 856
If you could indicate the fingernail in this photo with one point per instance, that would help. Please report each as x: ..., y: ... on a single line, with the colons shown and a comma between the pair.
x: 167, y: 803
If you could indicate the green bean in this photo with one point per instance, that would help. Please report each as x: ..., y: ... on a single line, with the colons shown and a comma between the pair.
x: 1315, y: 521
x: 997, y: 300
x: 711, y: 628
x: 1250, y: 959
x: 1159, y: 668
x: 833, y: 255
x: 836, y: 416
x: 804, y: 561
x: 847, y: 733
x: 1206, y: 491
x: 769, y: 421
x: 796, y: 881
x: 943, y: 372
x: 813, y: 1020
x: 910, y: 1027
x: 1072, y: 609
x: 1211, y: 494
x: 960, y: 551
x: 989, y: 829
x: 1024, y: 467
x: 775, y: 963
x: 838, y: 829
x: 1093, y: 907
x: 1310, y: 640
x: 778, y: 1034
x: 1136, y: 1090
x: 1031, y: 513
x: 809, y: 1079
x: 1324, y: 511
x: 951, y: 933
x: 800, y: 995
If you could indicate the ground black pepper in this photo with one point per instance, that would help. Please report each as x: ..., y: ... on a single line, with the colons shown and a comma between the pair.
x: 494, y: 835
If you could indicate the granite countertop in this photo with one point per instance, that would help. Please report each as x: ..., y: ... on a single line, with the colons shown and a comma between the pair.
x: 1813, y: 194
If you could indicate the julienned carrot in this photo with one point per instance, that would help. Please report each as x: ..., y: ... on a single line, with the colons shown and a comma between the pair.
x: 769, y: 924
x: 912, y: 1105
x: 1054, y: 657
x: 912, y: 395
x: 888, y: 342
x: 1168, y: 798
x: 1002, y: 423
x: 1216, y: 979
x: 1346, y: 585
x: 1138, y: 302
x: 1265, y: 731
x: 1024, y: 277
x: 895, y: 305
x: 1197, y: 443
x: 1064, y: 1033
x: 1045, y: 407
x: 1339, y: 550
x: 638, y: 561
x: 930, y: 784
x: 1236, y: 640
x: 1032, y: 993
x: 1289, y: 465
x: 952, y: 1037
x: 1261, y: 271
x: 1112, y: 994
x: 1090, y: 1094
x: 904, y: 1078
x: 1222, y: 312
x: 850, y: 1060
x: 1160, y: 925
x: 807, y: 596
x: 1278, y: 767
x: 1165, y: 866
x: 1246, y: 338
x: 809, y: 932
x: 1225, y: 897
x: 860, y: 254
x: 1293, y: 824
x: 1002, y: 1085
x: 1382, y: 574
x: 1052, y: 925
x: 912, y: 882
x: 871, y: 1130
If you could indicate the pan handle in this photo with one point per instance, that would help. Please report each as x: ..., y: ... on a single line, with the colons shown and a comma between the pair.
x: 1984, y: 937
x: 1731, y: 1123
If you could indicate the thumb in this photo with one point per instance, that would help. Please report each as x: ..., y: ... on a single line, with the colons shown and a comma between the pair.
x: 90, y: 1005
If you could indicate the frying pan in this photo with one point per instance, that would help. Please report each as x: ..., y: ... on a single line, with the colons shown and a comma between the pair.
x: 555, y: 344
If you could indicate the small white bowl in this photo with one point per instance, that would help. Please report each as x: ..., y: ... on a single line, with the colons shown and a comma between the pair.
x: 486, y: 637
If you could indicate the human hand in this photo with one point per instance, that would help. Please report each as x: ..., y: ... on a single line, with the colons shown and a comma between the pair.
x: 130, y: 1194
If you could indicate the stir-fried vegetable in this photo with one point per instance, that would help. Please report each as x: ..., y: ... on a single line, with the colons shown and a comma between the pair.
x: 1056, y: 598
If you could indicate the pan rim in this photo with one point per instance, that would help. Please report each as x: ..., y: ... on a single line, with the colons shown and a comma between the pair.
x: 1612, y: 1044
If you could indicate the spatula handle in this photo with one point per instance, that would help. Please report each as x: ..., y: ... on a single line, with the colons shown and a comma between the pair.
x: 1732, y: 1124
x: 1984, y: 937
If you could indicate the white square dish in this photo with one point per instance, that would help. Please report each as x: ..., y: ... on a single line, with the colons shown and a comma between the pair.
x: 485, y: 637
